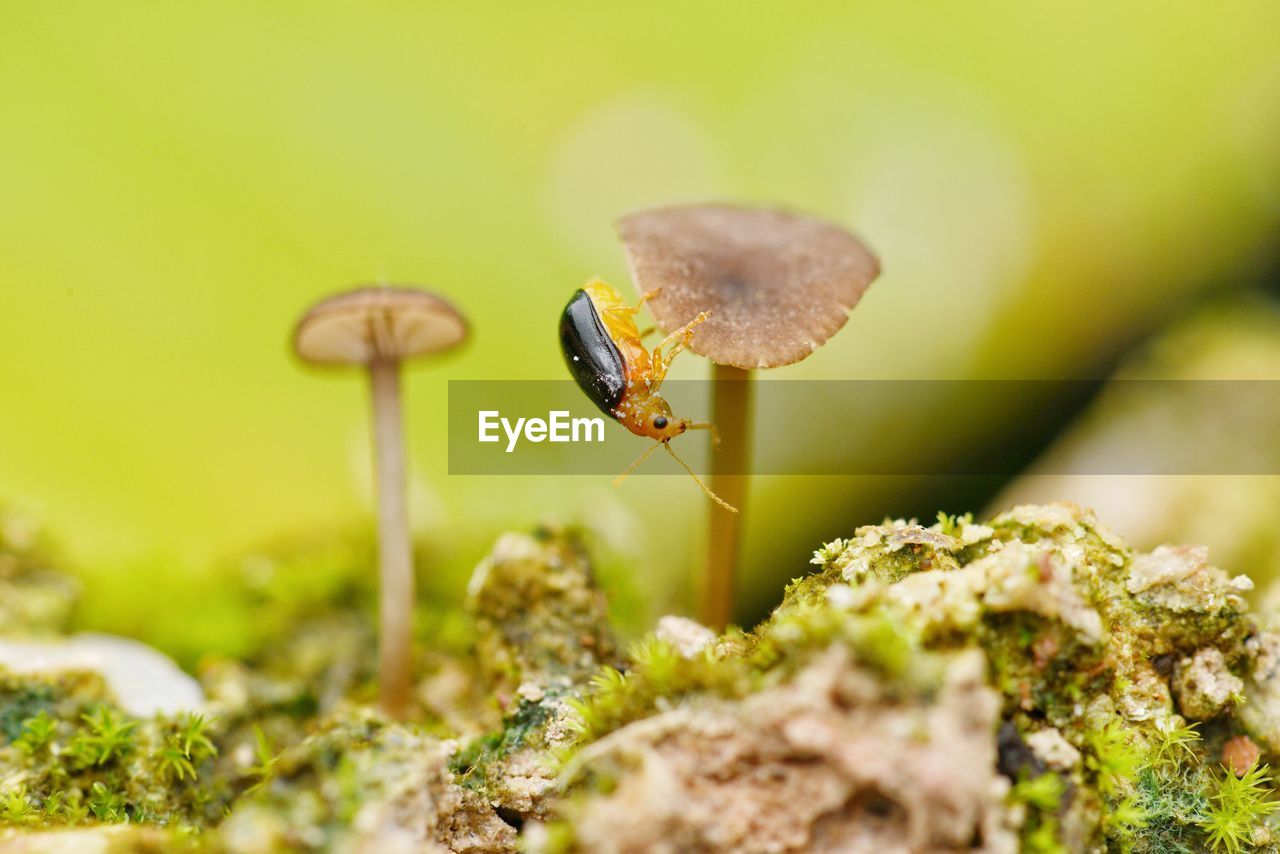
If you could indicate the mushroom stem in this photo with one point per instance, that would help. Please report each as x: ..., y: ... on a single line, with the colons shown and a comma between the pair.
x: 394, y: 555
x: 730, y: 470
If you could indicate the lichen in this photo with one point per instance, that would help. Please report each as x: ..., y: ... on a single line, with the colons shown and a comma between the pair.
x: 831, y: 758
x: 542, y: 631
x: 540, y: 616
x: 1099, y: 658
x: 362, y: 783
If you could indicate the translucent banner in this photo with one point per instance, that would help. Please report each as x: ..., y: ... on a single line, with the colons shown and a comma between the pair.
x: 867, y: 427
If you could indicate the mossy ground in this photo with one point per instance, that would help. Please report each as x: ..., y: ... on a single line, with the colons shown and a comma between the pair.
x: 1119, y: 678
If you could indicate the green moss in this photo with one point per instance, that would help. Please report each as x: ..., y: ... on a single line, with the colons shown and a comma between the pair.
x: 263, y: 769
x: 1040, y: 665
x: 186, y: 745
x: 1174, y: 803
x: 656, y: 673
x: 520, y: 730
x: 657, y: 677
x: 1237, y: 809
x: 106, y: 736
x: 530, y: 676
x: 540, y: 617
x: 1114, y: 756
x: 1174, y: 742
x: 17, y: 808
x: 36, y: 733
x: 1041, y: 796
x: 354, y: 767
x: 1070, y: 635
x: 80, y: 757
x: 22, y: 700
x: 542, y: 629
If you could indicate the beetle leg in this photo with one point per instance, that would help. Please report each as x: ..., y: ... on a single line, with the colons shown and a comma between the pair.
x: 630, y: 310
x: 684, y: 334
x: 644, y: 298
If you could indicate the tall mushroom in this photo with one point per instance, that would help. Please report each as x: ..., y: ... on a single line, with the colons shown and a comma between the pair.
x: 379, y: 327
x: 777, y: 285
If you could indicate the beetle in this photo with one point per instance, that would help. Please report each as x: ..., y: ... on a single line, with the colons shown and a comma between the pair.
x: 605, y: 353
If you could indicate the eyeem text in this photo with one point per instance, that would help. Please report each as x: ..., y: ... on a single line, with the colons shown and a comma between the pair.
x: 556, y: 427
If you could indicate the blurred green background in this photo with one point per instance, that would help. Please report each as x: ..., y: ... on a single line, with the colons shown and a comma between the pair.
x: 179, y: 181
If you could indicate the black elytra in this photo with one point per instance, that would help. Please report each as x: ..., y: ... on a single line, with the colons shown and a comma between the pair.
x: 591, y: 355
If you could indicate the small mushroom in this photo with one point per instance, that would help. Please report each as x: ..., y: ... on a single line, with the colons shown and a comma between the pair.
x: 379, y: 327
x: 777, y: 286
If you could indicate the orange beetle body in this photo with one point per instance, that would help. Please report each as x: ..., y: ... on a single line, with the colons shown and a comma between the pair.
x: 604, y: 351
x: 642, y: 410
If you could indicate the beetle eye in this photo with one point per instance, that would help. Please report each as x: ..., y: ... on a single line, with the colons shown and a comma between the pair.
x: 660, y: 422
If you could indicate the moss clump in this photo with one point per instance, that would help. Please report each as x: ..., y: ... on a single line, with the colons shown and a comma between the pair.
x: 1237, y: 808
x: 521, y: 729
x: 1103, y: 659
x: 540, y: 617
x: 311, y: 650
x: 361, y: 782
x: 1107, y: 651
x: 543, y: 629
x: 814, y: 749
x: 71, y: 757
x: 655, y: 675
x: 1028, y: 682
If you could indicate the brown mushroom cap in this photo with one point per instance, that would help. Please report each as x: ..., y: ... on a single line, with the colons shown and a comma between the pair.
x: 378, y: 323
x: 777, y: 284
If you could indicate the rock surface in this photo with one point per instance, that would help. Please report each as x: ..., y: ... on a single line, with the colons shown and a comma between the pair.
x: 827, y: 762
x: 1029, y: 683
x: 143, y: 680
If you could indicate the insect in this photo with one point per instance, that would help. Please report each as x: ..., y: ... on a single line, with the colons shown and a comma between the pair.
x: 605, y: 353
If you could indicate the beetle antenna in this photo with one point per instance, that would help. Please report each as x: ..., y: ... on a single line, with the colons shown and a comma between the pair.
x: 716, y: 498
x: 617, y: 481
x: 703, y: 425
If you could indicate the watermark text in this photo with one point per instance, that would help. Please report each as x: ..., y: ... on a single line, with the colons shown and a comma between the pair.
x: 558, y: 426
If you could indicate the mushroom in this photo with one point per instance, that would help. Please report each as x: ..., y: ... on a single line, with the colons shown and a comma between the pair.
x: 379, y: 327
x: 777, y: 286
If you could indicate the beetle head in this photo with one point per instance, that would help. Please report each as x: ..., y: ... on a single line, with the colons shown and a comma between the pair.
x: 652, y: 417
